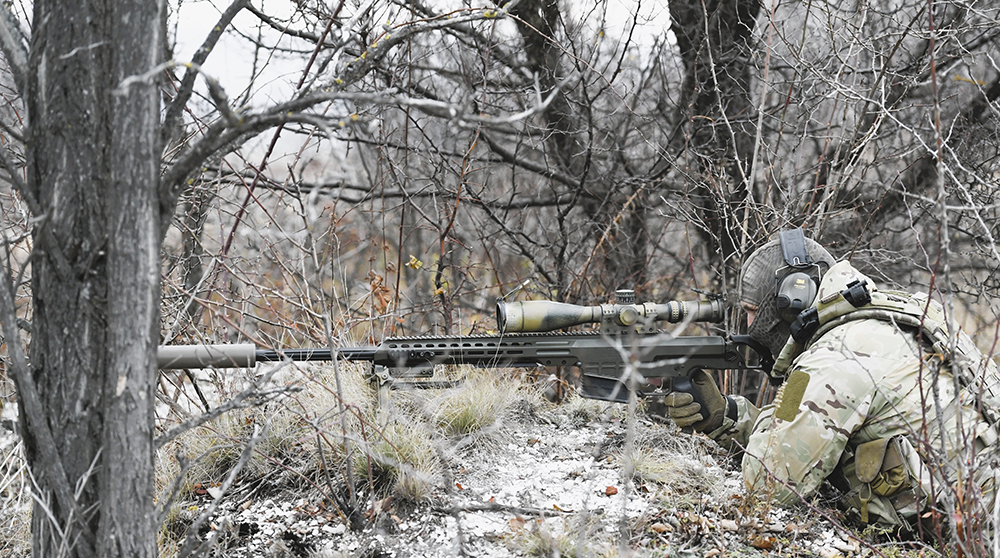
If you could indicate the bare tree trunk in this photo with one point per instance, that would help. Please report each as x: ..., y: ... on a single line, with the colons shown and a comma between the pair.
x: 93, y: 166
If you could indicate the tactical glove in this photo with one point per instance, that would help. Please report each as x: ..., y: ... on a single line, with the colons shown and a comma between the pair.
x: 696, y: 402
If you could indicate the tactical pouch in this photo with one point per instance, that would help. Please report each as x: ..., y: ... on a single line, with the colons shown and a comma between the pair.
x: 882, y: 470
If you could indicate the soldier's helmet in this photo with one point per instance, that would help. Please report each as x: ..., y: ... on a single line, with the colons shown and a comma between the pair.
x: 759, y: 279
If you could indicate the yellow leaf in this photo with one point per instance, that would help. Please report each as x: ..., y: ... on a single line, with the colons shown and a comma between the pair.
x: 414, y: 263
x: 972, y: 81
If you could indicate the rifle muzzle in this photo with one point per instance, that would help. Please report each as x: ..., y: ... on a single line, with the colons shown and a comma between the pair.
x: 544, y: 315
x: 206, y: 356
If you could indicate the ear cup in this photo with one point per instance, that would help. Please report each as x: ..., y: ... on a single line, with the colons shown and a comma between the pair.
x: 795, y: 293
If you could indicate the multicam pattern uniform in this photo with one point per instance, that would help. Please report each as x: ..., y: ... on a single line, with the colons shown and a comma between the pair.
x: 864, y: 381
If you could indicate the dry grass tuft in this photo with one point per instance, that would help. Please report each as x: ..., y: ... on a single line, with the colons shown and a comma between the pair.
x: 672, y: 459
x: 15, y: 499
x: 400, y: 460
x: 545, y: 539
x: 479, y: 403
x: 581, y: 410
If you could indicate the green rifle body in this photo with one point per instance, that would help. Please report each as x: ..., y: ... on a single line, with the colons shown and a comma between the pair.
x: 601, y: 360
x: 662, y: 361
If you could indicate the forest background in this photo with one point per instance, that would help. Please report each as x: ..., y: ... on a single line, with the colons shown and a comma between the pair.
x: 331, y: 174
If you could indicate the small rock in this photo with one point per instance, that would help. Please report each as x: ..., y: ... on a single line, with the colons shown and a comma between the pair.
x: 844, y: 546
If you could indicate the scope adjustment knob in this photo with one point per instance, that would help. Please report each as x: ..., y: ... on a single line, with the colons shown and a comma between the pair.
x: 628, y: 315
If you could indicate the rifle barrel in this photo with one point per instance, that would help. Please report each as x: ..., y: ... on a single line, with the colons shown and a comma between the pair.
x: 305, y: 355
x: 247, y: 356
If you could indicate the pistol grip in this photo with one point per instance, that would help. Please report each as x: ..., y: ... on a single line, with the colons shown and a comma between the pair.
x: 683, y: 384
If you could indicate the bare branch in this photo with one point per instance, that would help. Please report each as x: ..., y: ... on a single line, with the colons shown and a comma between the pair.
x: 14, y: 44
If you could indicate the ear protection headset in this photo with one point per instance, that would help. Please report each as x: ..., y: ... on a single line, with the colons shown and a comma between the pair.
x: 796, y: 283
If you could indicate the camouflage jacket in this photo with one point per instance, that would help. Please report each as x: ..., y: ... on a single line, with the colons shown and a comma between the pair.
x: 849, y: 393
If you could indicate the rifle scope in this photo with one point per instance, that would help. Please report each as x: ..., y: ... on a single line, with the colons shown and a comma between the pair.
x: 544, y: 315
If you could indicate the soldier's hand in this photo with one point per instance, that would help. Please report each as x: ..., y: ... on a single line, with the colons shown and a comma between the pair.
x: 682, y: 409
x: 697, y: 403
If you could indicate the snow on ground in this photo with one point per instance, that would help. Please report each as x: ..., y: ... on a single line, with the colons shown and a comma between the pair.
x: 542, y: 487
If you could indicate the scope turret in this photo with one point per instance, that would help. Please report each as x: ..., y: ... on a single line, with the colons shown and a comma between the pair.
x: 545, y: 315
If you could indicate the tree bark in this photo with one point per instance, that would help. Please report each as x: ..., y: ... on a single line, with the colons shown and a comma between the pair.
x: 93, y: 167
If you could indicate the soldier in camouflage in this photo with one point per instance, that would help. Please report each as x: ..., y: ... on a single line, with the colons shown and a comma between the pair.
x: 866, y: 404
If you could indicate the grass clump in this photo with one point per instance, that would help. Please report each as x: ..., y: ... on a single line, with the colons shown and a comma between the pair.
x: 213, y: 449
x: 287, y: 451
x: 581, y: 410
x: 400, y: 460
x: 566, y: 539
x: 479, y: 403
x: 683, y: 473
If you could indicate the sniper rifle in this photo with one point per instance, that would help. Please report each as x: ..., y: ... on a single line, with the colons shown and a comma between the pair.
x: 528, y: 337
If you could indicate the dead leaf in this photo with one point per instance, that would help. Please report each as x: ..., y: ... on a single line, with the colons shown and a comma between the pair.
x: 414, y: 263
x: 381, y: 295
x: 763, y: 542
x: 610, y: 491
x: 661, y: 528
